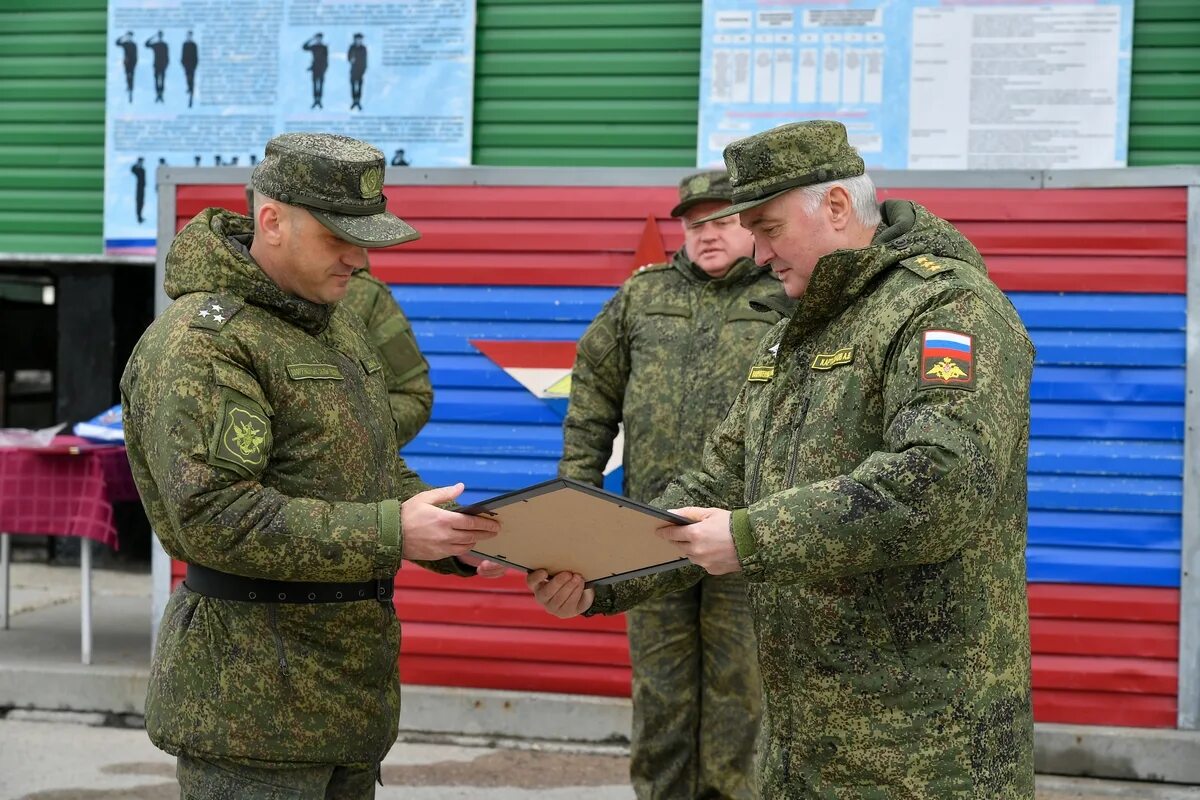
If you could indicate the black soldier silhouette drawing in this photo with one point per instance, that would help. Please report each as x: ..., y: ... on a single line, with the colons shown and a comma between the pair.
x: 127, y: 44
x: 320, y: 62
x: 189, y: 59
x: 161, y: 59
x: 357, y: 56
x: 139, y: 199
x: 398, y: 160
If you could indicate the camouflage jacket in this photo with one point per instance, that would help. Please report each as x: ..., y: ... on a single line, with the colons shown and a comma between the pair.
x: 405, y: 370
x: 666, y: 355
x: 879, y: 488
x: 261, y: 442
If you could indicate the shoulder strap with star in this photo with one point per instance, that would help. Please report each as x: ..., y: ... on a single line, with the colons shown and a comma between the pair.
x: 645, y: 268
x: 927, y: 265
x: 215, y: 311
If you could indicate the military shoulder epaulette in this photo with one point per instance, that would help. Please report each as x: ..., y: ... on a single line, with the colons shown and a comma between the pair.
x: 928, y: 266
x: 215, y: 311
x: 651, y: 268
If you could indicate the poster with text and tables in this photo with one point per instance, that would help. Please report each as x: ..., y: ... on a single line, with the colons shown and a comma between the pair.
x: 925, y: 84
x: 207, y: 83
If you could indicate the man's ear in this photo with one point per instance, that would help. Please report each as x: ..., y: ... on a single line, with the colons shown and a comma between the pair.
x: 269, y: 222
x: 841, y: 209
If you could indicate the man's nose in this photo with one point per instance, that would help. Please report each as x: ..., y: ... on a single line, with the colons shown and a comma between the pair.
x: 762, y: 253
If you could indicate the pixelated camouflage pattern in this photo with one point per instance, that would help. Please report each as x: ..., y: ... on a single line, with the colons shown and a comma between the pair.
x: 406, y: 372
x: 250, y: 680
x: 667, y: 355
x: 338, y: 179
x: 702, y: 187
x: 213, y: 778
x: 797, y: 154
x: 882, y: 530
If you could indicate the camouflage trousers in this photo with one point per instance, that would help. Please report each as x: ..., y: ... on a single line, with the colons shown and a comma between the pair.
x: 696, y: 694
x: 211, y: 778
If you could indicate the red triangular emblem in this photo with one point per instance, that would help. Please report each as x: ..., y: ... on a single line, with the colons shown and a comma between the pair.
x: 650, y: 249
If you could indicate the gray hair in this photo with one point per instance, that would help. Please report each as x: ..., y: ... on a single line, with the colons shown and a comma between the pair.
x: 862, y: 197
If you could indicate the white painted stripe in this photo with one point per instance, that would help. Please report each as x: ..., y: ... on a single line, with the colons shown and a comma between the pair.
x: 947, y: 336
x: 538, y: 379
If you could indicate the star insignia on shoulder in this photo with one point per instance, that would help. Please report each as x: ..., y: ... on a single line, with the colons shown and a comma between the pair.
x: 204, y: 312
x: 217, y: 308
x: 218, y: 318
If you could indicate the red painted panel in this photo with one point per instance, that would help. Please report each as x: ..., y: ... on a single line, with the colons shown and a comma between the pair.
x: 515, y: 644
x: 1105, y: 638
x: 1090, y: 673
x: 528, y: 676
x: 493, y: 609
x: 1104, y: 708
x: 1090, y: 240
x: 1082, y: 601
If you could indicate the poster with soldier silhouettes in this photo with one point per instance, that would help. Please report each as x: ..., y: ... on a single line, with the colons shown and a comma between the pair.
x: 196, y: 83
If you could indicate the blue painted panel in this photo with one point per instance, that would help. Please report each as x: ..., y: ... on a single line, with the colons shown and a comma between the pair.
x: 463, y: 371
x: 465, y: 439
x: 1095, y: 565
x: 1102, y: 312
x: 1108, y: 384
x: 1109, y: 348
x: 1100, y: 421
x: 513, y: 303
x: 1082, y: 493
x: 466, y: 405
x: 493, y: 475
x: 1107, y: 422
x: 455, y: 336
x: 1091, y: 457
x: 1087, y: 529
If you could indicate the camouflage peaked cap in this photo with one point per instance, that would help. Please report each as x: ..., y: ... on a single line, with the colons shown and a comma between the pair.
x: 338, y: 180
x: 767, y: 164
x: 702, y: 187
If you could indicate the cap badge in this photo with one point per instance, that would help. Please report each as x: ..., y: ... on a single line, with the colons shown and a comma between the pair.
x: 370, y: 184
x: 698, y: 184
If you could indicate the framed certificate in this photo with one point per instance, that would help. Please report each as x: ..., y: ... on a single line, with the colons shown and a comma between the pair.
x: 564, y: 525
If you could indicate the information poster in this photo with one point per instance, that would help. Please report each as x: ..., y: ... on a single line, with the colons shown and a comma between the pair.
x: 925, y: 84
x: 207, y: 83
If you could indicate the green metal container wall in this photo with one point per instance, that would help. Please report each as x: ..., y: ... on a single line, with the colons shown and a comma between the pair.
x: 584, y: 83
x: 1164, y: 114
x: 52, y: 125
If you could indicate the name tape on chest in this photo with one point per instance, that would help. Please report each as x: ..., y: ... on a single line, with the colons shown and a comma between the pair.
x: 839, y: 357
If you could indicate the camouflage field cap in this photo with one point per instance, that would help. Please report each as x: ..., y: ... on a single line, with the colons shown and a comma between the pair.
x: 702, y: 187
x: 338, y: 180
x: 767, y: 164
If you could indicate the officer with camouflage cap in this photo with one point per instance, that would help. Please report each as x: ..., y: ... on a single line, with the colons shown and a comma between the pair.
x: 261, y: 441
x: 405, y: 370
x: 666, y: 356
x: 870, y: 484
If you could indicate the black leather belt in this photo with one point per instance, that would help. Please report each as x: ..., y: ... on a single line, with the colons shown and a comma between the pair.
x: 223, y: 586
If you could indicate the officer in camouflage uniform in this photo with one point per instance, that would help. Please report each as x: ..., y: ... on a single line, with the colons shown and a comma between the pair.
x: 667, y: 355
x: 406, y: 372
x: 875, y: 466
x: 262, y: 444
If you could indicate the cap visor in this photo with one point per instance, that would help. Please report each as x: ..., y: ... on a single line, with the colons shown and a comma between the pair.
x: 738, y: 208
x: 376, y: 230
x: 679, y: 209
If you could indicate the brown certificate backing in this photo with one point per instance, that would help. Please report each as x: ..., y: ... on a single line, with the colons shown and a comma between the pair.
x: 564, y: 525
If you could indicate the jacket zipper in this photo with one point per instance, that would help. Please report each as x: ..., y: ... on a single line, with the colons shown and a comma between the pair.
x: 795, y: 452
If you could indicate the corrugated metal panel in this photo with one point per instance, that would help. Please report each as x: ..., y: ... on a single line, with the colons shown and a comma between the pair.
x: 52, y: 59
x: 592, y: 82
x: 1164, y: 113
x: 1105, y: 460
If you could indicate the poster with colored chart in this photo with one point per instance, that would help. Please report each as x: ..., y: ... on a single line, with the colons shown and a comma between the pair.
x: 925, y: 84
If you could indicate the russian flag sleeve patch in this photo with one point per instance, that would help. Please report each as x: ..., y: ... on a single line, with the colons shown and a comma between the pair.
x: 947, y: 359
